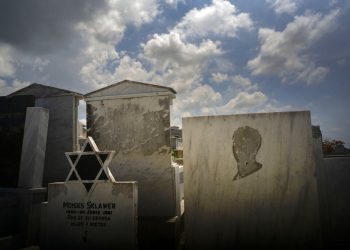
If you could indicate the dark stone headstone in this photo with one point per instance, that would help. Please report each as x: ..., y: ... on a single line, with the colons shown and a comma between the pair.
x: 12, y: 119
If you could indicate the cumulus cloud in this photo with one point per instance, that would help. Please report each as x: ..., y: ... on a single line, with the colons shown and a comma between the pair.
x: 174, y: 3
x: 244, y: 101
x: 6, y: 89
x: 169, y: 50
x: 284, y: 6
x: 281, y: 53
x: 219, y: 77
x: 103, y: 32
x: 219, y: 18
x: 7, y: 68
x: 243, y: 82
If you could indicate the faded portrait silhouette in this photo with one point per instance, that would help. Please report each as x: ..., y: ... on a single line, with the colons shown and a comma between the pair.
x: 246, y: 144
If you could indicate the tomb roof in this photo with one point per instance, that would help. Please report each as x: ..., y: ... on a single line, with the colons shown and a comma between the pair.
x: 42, y: 91
x: 127, y: 88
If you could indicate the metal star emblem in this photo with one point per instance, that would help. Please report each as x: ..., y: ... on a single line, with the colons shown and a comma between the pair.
x: 90, y: 165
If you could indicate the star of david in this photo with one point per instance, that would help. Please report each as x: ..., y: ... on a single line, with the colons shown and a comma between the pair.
x: 90, y: 165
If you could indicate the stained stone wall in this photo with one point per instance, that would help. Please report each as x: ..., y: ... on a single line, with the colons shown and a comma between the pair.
x: 250, y: 182
x: 61, y: 135
x: 138, y: 129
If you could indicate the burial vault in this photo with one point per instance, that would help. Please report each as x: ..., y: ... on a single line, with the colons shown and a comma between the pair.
x: 133, y: 118
x: 62, y: 131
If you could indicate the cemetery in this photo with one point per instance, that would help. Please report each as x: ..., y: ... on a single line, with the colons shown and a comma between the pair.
x: 131, y: 180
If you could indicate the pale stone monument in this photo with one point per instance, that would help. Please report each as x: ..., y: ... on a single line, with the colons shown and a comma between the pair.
x: 62, y: 130
x: 133, y: 119
x: 250, y: 182
x: 33, y: 148
x: 90, y: 210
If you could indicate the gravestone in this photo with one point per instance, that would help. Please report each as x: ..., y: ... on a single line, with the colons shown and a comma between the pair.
x: 133, y: 119
x: 33, y: 148
x: 12, y: 120
x: 250, y: 182
x: 90, y: 210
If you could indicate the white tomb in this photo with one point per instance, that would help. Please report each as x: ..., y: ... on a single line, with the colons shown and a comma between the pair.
x: 90, y: 210
x: 250, y: 182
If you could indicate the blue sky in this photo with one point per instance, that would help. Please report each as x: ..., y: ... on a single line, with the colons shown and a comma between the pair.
x: 222, y: 57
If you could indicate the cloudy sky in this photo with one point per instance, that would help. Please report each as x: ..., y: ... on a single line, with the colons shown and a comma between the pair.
x: 222, y: 57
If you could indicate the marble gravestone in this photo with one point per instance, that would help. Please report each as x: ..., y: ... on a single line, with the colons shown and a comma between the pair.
x: 33, y: 148
x: 133, y: 119
x: 250, y: 182
x: 90, y: 210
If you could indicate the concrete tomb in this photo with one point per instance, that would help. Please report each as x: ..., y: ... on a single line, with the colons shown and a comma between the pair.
x: 90, y: 210
x: 133, y: 119
x: 33, y: 148
x: 62, y: 130
x: 250, y: 182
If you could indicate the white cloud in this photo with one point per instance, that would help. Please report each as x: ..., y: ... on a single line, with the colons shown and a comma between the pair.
x: 136, y: 12
x: 6, y: 89
x: 312, y: 74
x: 281, y: 52
x: 39, y: 64
x: 202, y: 96
x: 121, y: 69
x: 244, y: 102
x: 7, y: 68
x: 174, y: 3
x: 104, y: 32
x: 219, y: 77
x: 284, y: 6
x: 219, y: 18
x: 242, y: 81
x: 169, y: 50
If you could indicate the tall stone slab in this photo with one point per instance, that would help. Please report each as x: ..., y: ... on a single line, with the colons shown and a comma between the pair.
x: 90, y: 210
x: 134, y: 120
x: 33, y: 148
x: 62, y: 130
x: 250, y: 182
x: 12, y: 120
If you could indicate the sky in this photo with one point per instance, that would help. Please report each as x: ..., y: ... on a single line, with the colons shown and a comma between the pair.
x: 222, y: 57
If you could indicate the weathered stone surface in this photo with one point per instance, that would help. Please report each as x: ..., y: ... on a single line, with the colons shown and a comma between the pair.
x: 61, y: 135
x: 103, y: 219
x: 273, y: 204
x: 62, y: 131
x: 90, y: 212
x: 138, y: 129
x: 33, y: 148
x: 12, y: 119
